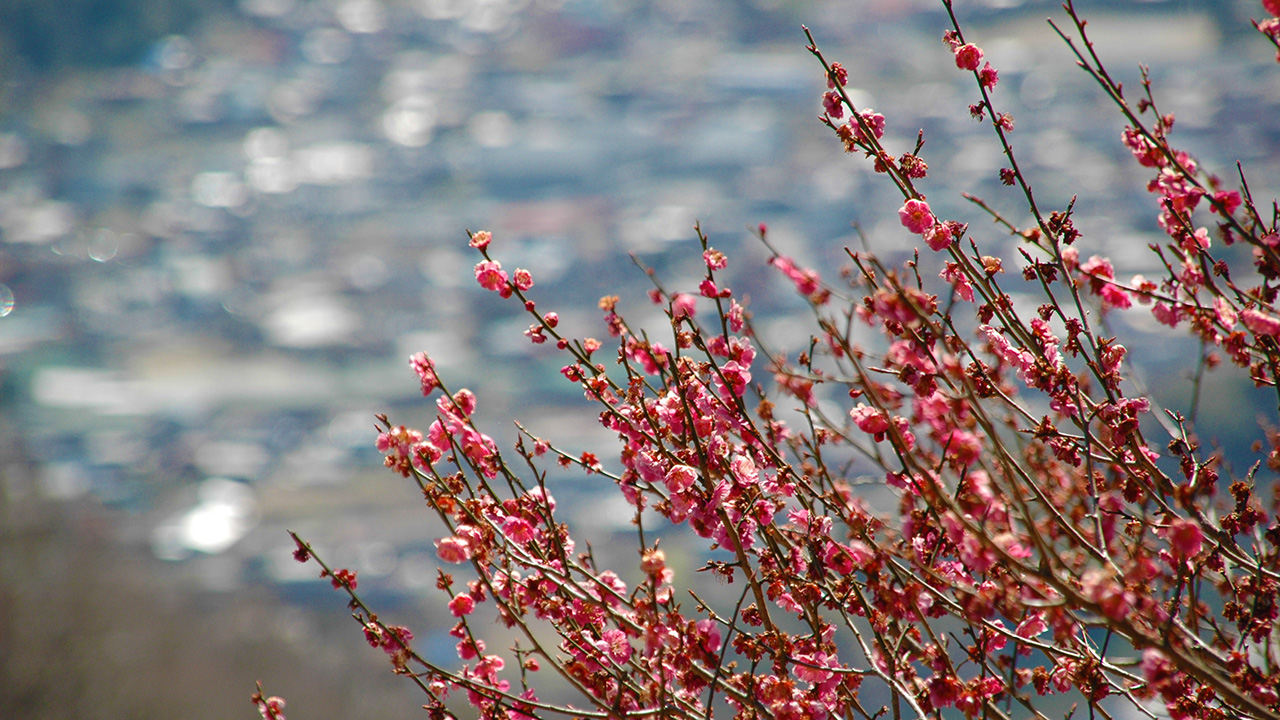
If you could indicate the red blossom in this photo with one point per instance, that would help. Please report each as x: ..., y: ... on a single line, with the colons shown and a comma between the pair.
x: 988, y: 76
x: 968, y: 56
x: 1185, y: 537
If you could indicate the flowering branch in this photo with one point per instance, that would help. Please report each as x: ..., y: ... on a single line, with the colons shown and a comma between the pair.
x: 1037, y: 541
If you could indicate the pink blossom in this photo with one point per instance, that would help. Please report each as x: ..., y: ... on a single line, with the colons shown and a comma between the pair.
x: 614, y: 643
x: 1110, y: 596
x: 870, y: 420
x: 944, y: 690
x: 1185, y: 537
x: 469, y: 649
x: 489, y: 667
x: 953, y: 273
x: 1032, y: 625
x: 424, y: 456
x: 426, y: 371
x: 542, y: 498
x: 1111, y: 356
x: 491, y: 276
x: 988, y: 76
x: 811, y: 668
x: 744, y: 469
x: 871, y: 119
x: 1156, y: 668
x: 709, y: 632
x: 465, y: 401
x: 680, y: 477
x: 916, y: 216
x: 654, y: 564
x: 480, y: 240
x: 962, y: 447
x: 518, y: 529
x: 462, y: 605
x: 737, y: 316
x: 832, y: 104
x: 840, y: 73
x: 1021, y: 360
x: 1146, y: 152
x: 523, y: 279
x: 939, y: 237
x: 453, y: 549
x: 968, y: 56
x: 1102, y: 282
x: 1197, y: 241
x: 715, y: 259
x: 736, y: 376
x: 683, y: 305
x: 806, y: 281
x: 1261, y: 323
x: 1225, y: 313
x: 1166, y: 314
x: 1229, y: 200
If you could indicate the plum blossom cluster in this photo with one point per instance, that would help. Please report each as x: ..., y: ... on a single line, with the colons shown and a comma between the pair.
x: 1197, y: 210
x: 948, y: 503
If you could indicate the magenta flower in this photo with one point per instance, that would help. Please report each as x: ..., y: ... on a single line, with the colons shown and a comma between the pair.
x: 683, y: 305
x: 916, y: 216
x: 518, y: 529
x: 461, y: 605
x: 870, y: 420
x: 988, y: 76
x: 1185, y: 537
x: 968, y: 56
x: 938, y: 237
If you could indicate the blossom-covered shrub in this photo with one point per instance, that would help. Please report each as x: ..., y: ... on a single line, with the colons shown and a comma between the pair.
x: 1055, y: 534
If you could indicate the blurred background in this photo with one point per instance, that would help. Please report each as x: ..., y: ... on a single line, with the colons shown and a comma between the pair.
x: 225, y: 225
